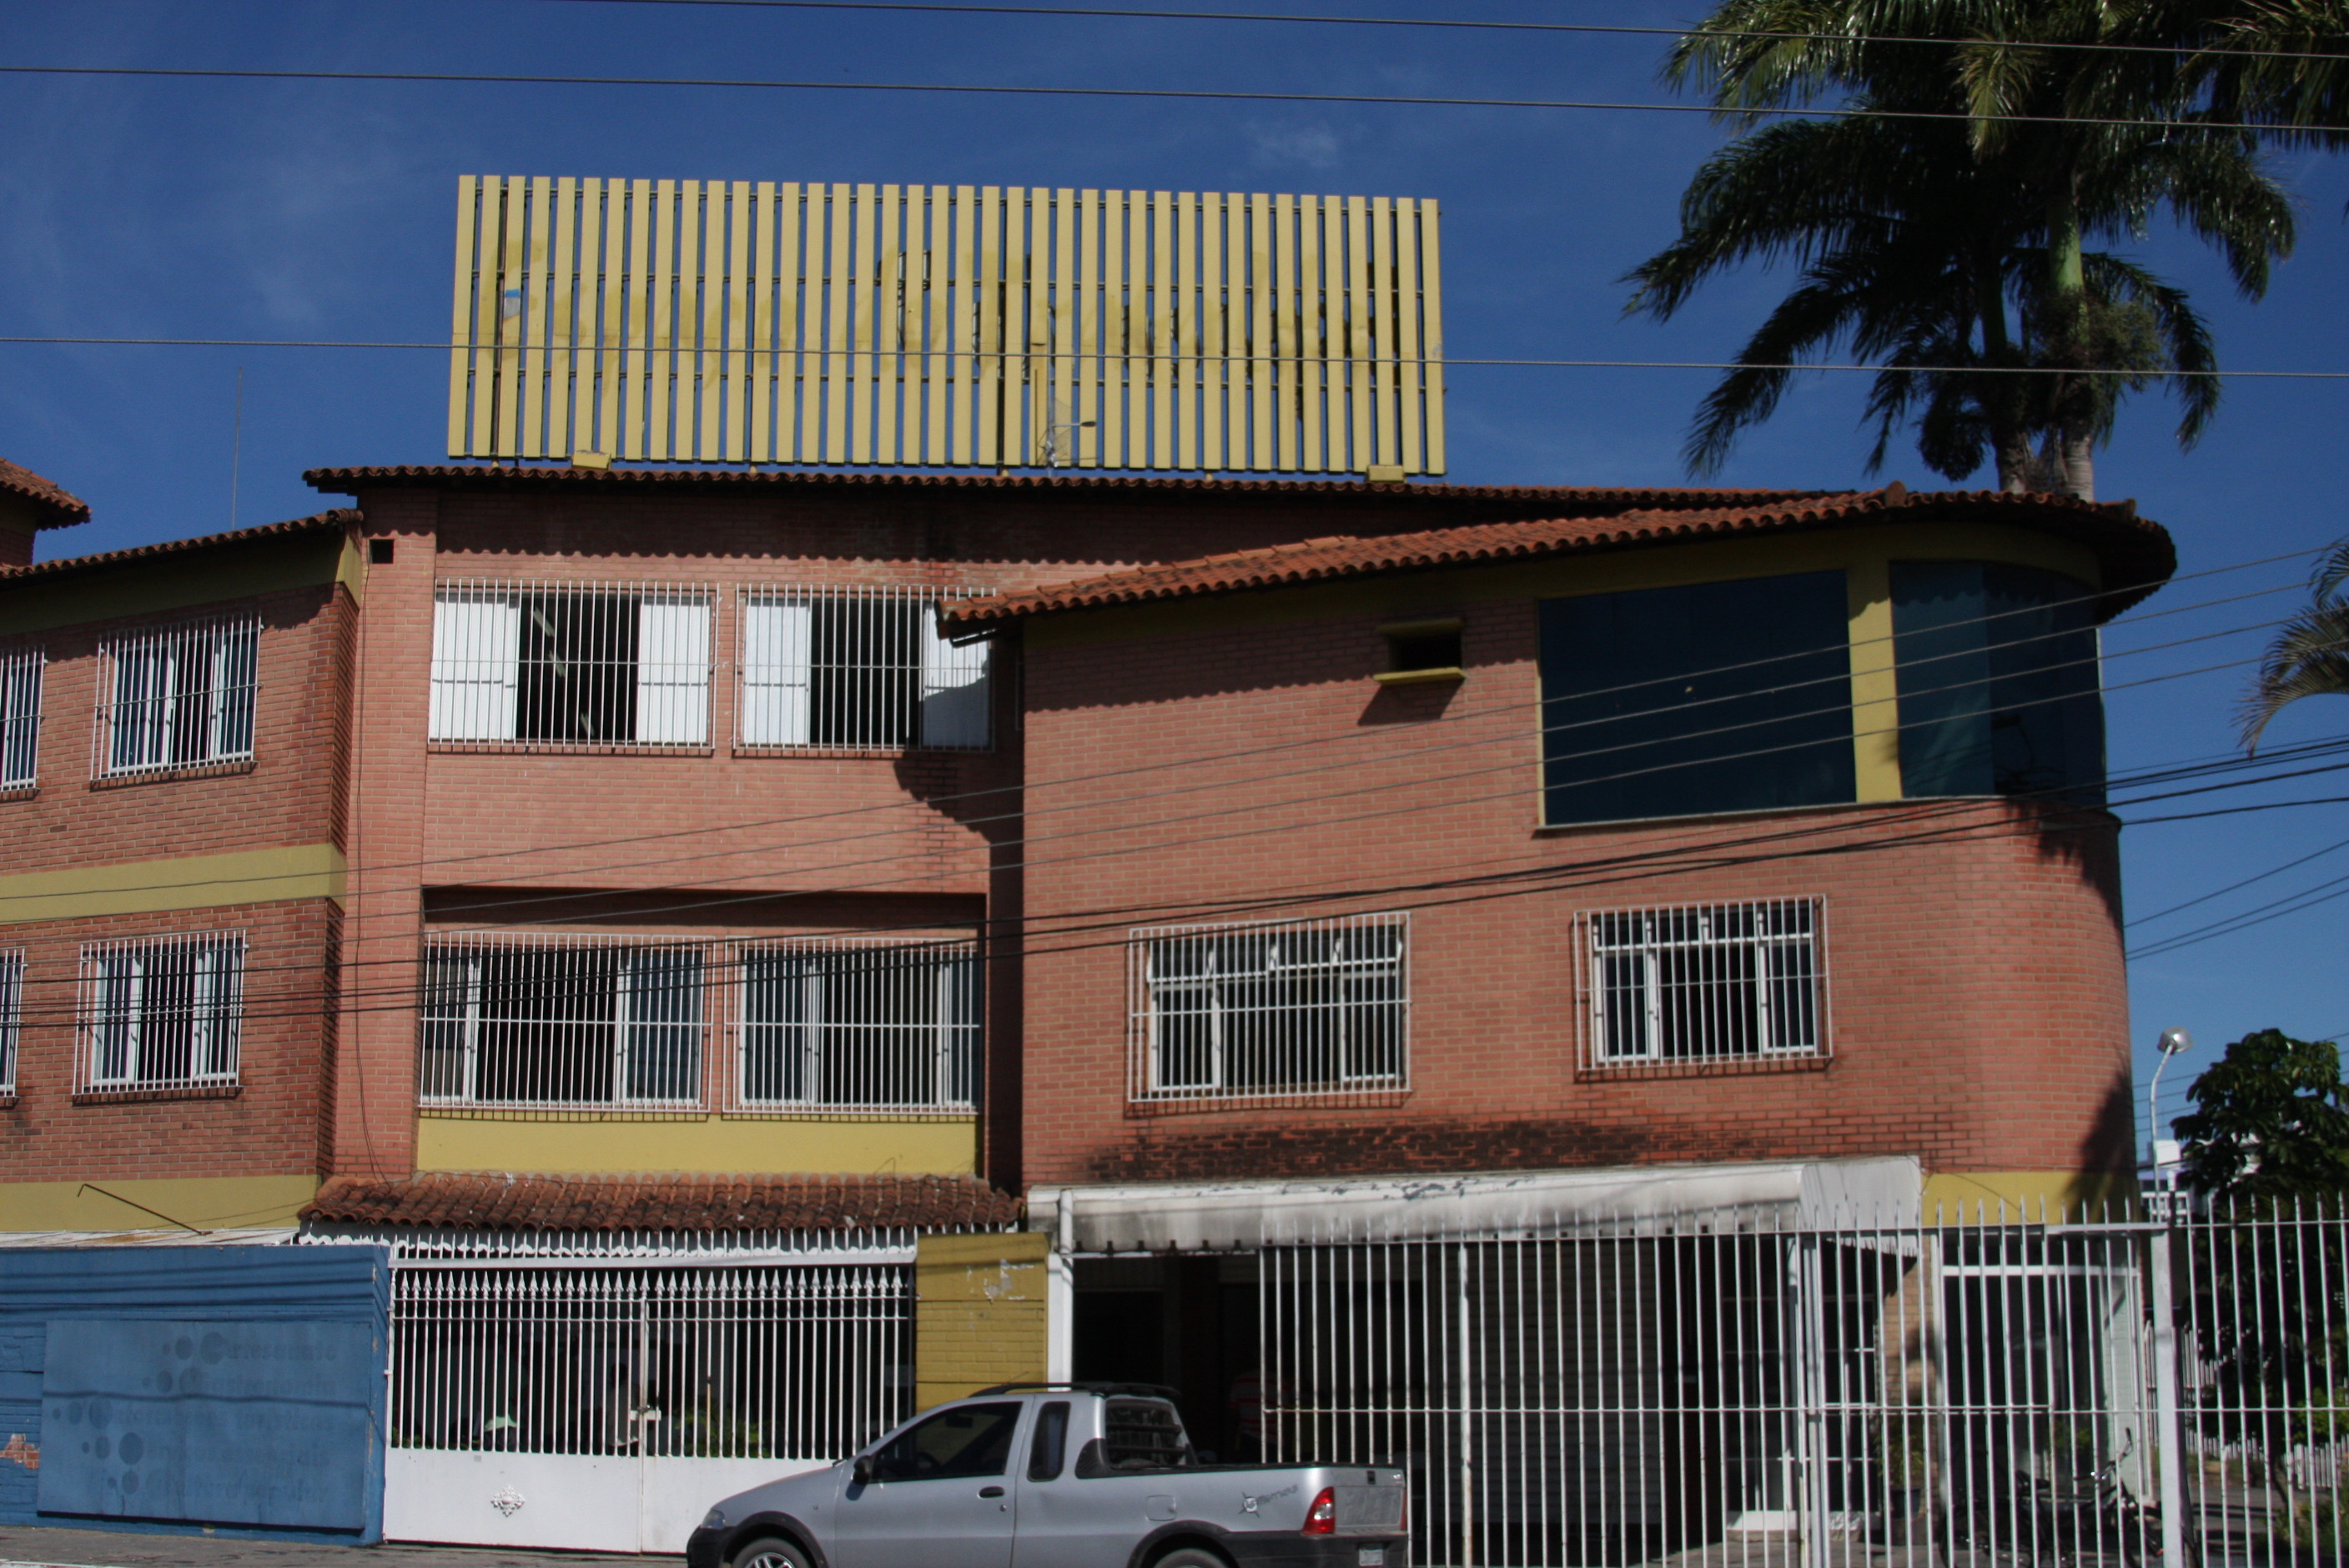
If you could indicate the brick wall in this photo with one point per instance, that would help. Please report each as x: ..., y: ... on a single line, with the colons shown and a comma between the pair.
x: 1979, y: 1014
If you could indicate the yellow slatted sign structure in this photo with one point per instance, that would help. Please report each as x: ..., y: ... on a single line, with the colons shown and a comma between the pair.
x: 758, y: 322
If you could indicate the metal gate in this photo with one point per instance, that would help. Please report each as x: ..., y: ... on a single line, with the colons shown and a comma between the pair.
x: 1717, y: 1389
x: 605, y: 1405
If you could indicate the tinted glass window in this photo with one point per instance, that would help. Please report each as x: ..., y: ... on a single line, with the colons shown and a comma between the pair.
x: 1142, y: 1434
x: 1998, y: 689
x: 1051, y: 1450
x: 1718, y: 697
x: 967, y: 1440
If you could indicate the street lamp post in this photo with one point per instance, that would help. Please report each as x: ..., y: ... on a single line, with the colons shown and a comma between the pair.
x: 2172, y: 1041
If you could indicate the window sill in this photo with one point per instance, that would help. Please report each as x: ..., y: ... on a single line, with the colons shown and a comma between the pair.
x: 1439, y: 675
x: 1319, y: 1099
x: 870, y: 753
x: 609, y: 1113
x: 1739, y: 1067
x: 159, y: 775
x: 19, y: 792
x: 572, y: 748
x: 141, y: 1096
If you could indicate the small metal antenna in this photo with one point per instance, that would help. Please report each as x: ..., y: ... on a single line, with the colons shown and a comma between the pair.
x: 236, y: 447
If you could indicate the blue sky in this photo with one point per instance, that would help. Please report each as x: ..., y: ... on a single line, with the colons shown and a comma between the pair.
x: 311, y: 210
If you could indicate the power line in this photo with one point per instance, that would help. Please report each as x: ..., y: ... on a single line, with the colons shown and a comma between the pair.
x: 2231, y: 887
x: 1456, y: 23
x: 1179, y: 95
x: 1399, y: 360
x: 2259, y: 914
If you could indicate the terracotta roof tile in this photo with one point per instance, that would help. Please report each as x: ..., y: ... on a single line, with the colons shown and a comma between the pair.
x: 64, y: 509
x: 513, y: 1202
x: 2136, y: 553
x: 334, y: 521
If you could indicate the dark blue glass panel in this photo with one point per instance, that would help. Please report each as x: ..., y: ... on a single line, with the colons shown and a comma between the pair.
x: 1718, y: 697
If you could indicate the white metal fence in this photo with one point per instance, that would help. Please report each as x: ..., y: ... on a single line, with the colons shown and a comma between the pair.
x: 1700, y: 984
x: 176, y: 697
x: 860, y: 668
x: 706, y: 1358
x: 842, y: 1025
x: 20, y: 718
x: 160, y: 1013
x: 1307, y: 1007
x: 12, y: 1014
x: 1726, y: 1388
x: 570, y: 663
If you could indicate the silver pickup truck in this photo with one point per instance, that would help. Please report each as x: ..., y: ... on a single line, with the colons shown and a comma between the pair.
x: 1058, y: 1476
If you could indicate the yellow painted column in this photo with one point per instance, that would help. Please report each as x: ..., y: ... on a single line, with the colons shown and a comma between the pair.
x: 1874, y: 692
x: 979, y: 1314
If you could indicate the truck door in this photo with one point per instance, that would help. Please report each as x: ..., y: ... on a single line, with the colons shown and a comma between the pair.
x: 941, y: 1496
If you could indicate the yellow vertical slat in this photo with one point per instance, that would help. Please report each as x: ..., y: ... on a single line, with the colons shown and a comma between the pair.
x: 1113, y: 328
x: 1336, y: 437
x: 1211, y: 330
x: 865, y: 215
x: 759, y: 322
x: 1312, y: 412
x: 513, y: 276
x: 733, y: 422
x: 662, y: 291
x: 1084, y: 405
x: 891, y: 322
x: 636, y: 369
x: 839, y: 217
x: 613, y: 281
x: 1031, y: 255
x: 966, y: 322
x: 1232, y: 372
x: 1186, y: 326
x: 469, y: 207
x: 562, y: 301
x: 536, y: 276
x: 1359, y: 447
x: 489, y: 298
x: 1162, y: 329
x: 1262, y: 345
x: 991, y: 342
x: 1431, y: 347
x: 1408, y: 379
x: 937, y: 264
x: 587, y: 339
x: 1383, y: 326
x: 702, y: 291
x: 1140, y: 399
x: 1287, y: 337
x: 792, y: 444
x: 1065, y: 220
x: 691, y: 344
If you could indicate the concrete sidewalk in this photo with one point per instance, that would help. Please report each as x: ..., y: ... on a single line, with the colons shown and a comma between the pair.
x: 41, y: 1548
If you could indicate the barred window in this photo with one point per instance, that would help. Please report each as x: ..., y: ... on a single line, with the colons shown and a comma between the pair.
x: 179, y: 697
x: 860, y: 668
x: 565, y: 664
x: 1707, y: 982
x: 1300, y: 1007
x: 562, y: 1021
x: 20, y: 720
x: 12, y: 1016
x: 858, y: 1026
x: 161, y: 1012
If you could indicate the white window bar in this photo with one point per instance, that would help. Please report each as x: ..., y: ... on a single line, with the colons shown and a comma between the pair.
x: 860, y: 668
x: 857, y: 1024
x: 1706, y: 982
x: 541, y: 665
x: 526, y: 1021
x: 717, y: 1362
x: 177, y: 697
x: 12, y: 1016
x: 20, y: 718
x: 161, y: 1012
x: 1286, y: 1008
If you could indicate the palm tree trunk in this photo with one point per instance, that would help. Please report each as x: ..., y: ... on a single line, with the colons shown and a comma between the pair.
x: 2080, y: 466
x: 2013, y: 448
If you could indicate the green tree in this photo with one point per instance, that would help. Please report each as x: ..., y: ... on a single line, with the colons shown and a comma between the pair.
x: 1954, y: 251
x: 2309, y: 658
x: 2270, y: 1123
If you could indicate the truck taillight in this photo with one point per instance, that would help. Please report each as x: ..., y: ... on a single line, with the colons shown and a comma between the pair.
x: 1321, y: 1518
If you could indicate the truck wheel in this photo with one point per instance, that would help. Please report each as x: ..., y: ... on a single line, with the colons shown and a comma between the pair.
x: 1190, y: 1557
x: 767, y: 1552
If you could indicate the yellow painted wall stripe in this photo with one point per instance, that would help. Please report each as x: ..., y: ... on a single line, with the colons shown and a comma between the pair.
x: 981, y: 1307
x: 197, y: 1202
x: 707, y: 1145
x: 190, y: 882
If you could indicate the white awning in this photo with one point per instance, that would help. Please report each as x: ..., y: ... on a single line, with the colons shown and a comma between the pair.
x: 1225, y: 1216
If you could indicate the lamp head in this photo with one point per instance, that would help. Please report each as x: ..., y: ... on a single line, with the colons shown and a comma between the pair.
x: 2176, y: 1040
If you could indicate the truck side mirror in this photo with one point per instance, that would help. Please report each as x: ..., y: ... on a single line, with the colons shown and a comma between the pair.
x: 861, y: 1471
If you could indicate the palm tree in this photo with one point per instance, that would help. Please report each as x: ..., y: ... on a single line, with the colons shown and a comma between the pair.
x: 2309, y: 658
x: 1948, y: 240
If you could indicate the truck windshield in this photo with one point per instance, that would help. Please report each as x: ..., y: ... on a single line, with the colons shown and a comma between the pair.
x: 1142, y: 1434
x: 967, y: 1440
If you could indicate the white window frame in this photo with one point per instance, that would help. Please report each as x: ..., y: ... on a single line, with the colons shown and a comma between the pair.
x: 22, y: 673
x: 453, y: 1019
x: 1295, y: 951
x: 480, y: 682
x: 156, y: 715
x: 1759, y: 992
x: 12, y: 1016
x: 122, y: 1018
x: 944, y: 1049
x: 939, y: 694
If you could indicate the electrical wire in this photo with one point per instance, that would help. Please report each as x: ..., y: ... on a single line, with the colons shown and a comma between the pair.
x: 2291, y: 904
x: 2231, y: 887
x: 1180, y: 95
